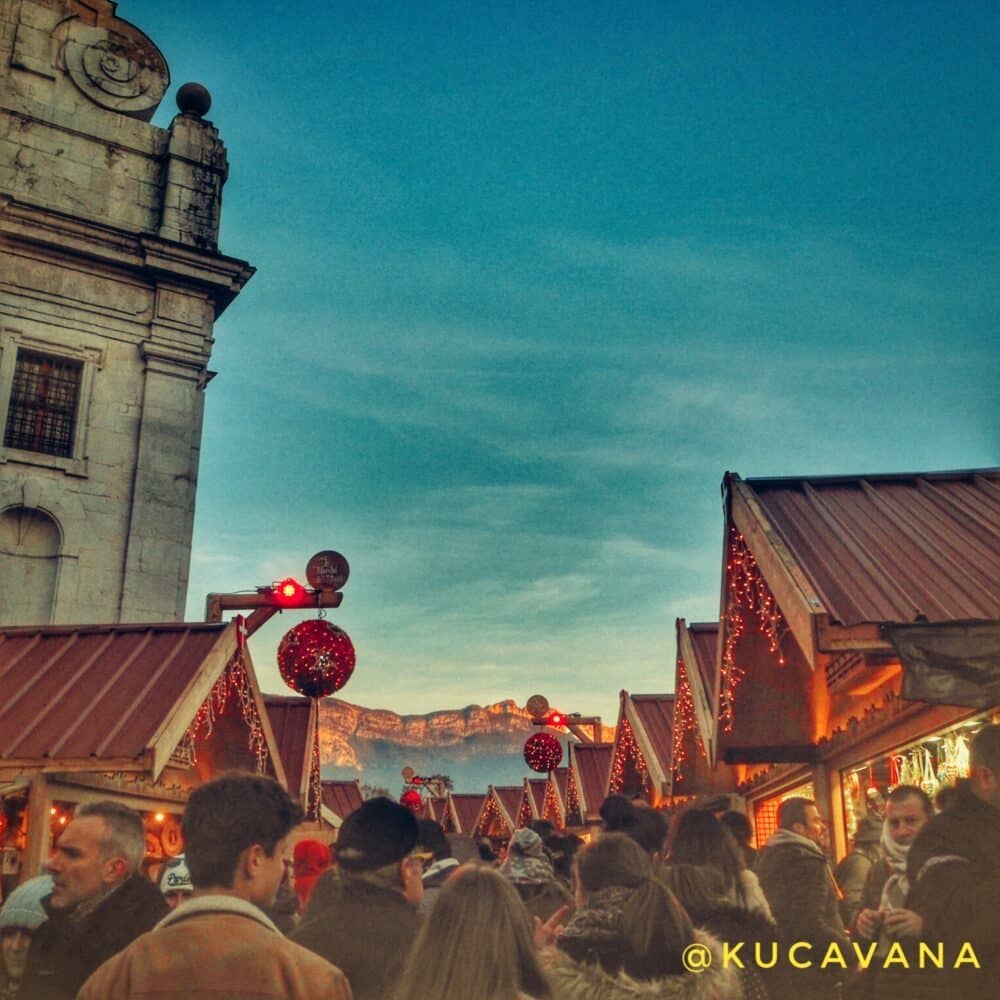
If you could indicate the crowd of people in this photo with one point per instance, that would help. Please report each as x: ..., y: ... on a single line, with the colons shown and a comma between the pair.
x: 399, y: 911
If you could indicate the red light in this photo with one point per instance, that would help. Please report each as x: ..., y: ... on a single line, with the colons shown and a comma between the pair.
x: 555, y: 719
x: 288, y: 593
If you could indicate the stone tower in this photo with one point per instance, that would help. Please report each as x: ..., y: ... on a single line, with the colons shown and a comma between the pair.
x: 110, y: 283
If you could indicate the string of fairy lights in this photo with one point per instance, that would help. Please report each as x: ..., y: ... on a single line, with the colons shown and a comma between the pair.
x: 626, y: 749
x: 685, y: 721
x: 747, y: 595
x: 315, y: 781
x: 233, y: 681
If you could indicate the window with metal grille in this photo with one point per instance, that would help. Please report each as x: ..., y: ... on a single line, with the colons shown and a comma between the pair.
x: 43, y: 398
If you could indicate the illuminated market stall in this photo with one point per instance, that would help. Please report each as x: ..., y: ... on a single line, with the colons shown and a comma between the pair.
x: 138, y: 713
x: 860, y: 640
x: 643, y: 745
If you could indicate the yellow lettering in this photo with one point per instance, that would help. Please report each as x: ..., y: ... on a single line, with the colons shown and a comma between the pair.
x: 791, y: 954
x: 896, y: 956
x: 936, y: 959
x: 864, y: 957
x: 761, y: 964
x: 833, y: 956
x: 967, y: 954
x: 730, y: 954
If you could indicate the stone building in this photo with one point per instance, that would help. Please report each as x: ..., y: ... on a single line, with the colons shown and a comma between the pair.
x: 110, y: 283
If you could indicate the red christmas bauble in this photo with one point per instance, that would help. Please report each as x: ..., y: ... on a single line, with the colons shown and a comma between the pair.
x: 411, y: 799
x: 542, y: 752
x: 316, y: 658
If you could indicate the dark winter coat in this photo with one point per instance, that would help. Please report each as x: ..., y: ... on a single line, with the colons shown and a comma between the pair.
x: 363, y: 929
x: 67, y: 948
x: 852, y: 875
x: 954, y: 872
x: 800, y: 887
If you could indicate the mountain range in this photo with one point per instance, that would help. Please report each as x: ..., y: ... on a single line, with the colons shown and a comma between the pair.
x: 476, y: 746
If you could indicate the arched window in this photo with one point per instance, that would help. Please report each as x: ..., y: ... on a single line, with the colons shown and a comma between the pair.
x: 29, y: 565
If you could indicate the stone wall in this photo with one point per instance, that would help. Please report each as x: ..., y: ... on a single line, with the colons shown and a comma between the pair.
x: 108, y: 259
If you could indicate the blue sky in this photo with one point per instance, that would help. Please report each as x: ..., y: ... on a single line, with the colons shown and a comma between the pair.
x: 532, y: 277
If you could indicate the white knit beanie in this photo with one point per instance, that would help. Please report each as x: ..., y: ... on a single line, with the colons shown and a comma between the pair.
x: 23, y: 908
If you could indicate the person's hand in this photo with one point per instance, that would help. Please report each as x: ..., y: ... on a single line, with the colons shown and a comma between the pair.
x: 868, y: 923
x: 904, y: 923
x: 547, y: 932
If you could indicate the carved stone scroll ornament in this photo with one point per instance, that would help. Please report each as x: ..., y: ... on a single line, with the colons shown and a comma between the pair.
x: 120, y: 69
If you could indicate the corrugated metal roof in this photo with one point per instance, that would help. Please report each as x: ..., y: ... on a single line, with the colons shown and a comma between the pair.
x: 289, y: 717
x: 95, y: 692
x: 656, y: 714
x: 467, y: 809
x: 510, y: 798
x: 896, y: 548
x: 341, y: 797
x: 592, y: 763
x: 705, y: 640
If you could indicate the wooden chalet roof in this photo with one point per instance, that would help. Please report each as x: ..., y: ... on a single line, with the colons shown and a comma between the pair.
x: 591, y: 762
x: 467, y: 809
x: 294, y: 725
x: 341, y: 798
x: 656, y: 715
x: 110, y: 697
x: 891, y: 548
x: 705, y: 642
x: 536, y: 788
x: 510, y: 797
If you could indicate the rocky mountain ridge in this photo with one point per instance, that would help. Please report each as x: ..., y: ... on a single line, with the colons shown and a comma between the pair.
x: 476, y: 745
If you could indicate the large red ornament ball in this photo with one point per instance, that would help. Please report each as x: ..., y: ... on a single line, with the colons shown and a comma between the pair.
x: 542, y: 752
x: 411, y: 799
x: 316, y: 658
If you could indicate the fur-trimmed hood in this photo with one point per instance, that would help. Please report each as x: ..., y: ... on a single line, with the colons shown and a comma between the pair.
x: 573, y: 980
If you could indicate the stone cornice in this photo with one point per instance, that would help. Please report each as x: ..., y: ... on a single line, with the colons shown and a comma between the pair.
x: 221, y: 277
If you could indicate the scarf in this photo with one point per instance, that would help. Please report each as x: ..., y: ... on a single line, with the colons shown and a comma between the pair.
x: 897, y: 886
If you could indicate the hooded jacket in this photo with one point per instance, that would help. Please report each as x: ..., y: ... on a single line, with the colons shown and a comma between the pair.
x: 213, y: 946
x: 575, y: 980
x: 70, y: 945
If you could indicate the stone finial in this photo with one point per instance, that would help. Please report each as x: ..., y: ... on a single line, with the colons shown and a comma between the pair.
x: 194, y: 99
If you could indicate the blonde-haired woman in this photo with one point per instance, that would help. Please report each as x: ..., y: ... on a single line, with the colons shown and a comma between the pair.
x: 477, y: 942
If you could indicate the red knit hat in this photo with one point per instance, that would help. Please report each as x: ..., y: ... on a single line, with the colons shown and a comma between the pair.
x: 311, y: 859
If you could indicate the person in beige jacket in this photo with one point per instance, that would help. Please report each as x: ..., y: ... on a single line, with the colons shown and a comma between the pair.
x: 219, y: 942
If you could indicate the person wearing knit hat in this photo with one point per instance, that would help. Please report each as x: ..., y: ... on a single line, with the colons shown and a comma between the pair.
x: 310, y: 859
x: 20, y: 917
x: 528, y: 867
x: 175, y: 882
x: 372, y: 897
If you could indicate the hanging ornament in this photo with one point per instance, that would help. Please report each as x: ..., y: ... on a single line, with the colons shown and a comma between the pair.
x: 316, y: 658
x: 411, y: 799
x: 542, y: 752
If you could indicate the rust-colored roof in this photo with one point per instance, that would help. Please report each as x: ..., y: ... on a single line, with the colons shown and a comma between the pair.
x: 289, y: 717
x: 537, y: 789
x: 592, y: 763
x: 705, y: 639
x: 656, y: 714
x: 467, y: 809
x: 510, y: 797
x: 436, y: 809
x: 97, y: 693
x: 342, y: 797
x: 894, y: 548
x: 561, y: 776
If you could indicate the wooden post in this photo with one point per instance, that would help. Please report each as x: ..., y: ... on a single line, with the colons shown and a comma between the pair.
x: 37, y: 848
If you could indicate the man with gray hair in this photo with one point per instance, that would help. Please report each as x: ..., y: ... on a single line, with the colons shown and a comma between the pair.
x: 99, y: 902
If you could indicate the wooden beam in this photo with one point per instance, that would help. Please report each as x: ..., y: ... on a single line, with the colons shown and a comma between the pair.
x: 798, y: 601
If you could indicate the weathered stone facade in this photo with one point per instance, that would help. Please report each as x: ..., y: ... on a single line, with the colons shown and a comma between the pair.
x: 110, y: 271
